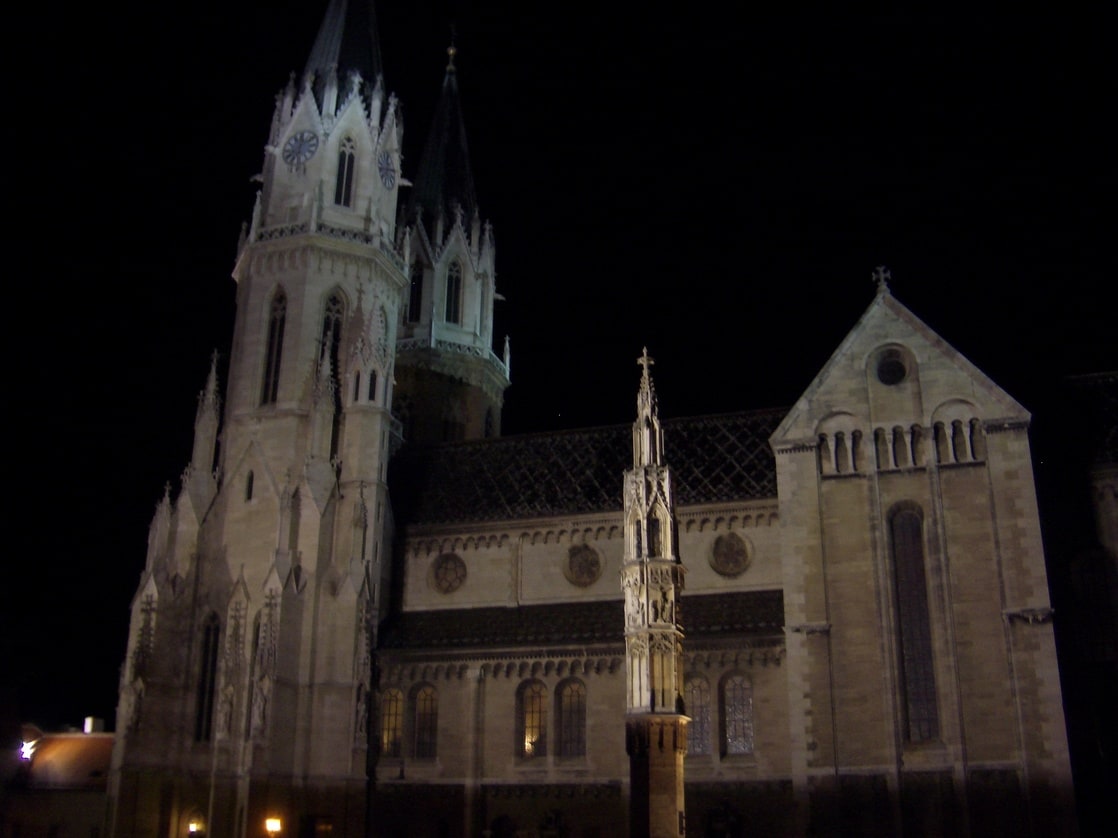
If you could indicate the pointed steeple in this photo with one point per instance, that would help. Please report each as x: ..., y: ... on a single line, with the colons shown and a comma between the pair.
x: 347, y: 43
x: 444, y: 182
x: 648, y: 438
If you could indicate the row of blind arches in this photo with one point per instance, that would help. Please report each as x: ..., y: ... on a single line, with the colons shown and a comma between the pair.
x: 846, y: 452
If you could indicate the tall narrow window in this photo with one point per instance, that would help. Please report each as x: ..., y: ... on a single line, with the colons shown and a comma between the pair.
x: 917, y: 675
x: 392, y: 724
x: 274, y: 349
x: 737, y: 715
x: 331, y: 344
x: 572, y: 719
x: 697, y: 697
x: 357, y: 386
x: 426, y: 722
x: 531, y: 717
x: 415, y: 294
x: 372, y: 385
x: 249, y: 480
x: 207, y: 680
x: 454, y: 292
x: 343, y: 188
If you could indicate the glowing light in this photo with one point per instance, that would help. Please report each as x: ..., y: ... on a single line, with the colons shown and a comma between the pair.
x: 273, y: 826
x: 194, y: 827
x: 27, y: 749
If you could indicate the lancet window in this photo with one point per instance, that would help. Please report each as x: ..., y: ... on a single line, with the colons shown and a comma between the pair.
x: 697, y: 703
x: 920, y: 721
x: 274, y: 348
x: 571, y: 718
x: 531, y: 718
x: 392, y: 723
x: 347, y: 161
x: 426, y: 706
x: 454, y: 292
x: 737, y: 715
x: 207, y: 680
x: 415, y: 294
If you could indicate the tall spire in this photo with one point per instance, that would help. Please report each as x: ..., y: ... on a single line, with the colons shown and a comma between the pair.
x: 444, y: 182
x: 347, y: 42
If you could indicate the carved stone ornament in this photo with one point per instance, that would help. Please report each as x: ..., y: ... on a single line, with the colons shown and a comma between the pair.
x: 731, y: 555
x: 584, y: 565
x: 448, y: 573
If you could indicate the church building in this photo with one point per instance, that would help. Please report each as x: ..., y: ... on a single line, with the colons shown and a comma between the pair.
x: 365, y: 612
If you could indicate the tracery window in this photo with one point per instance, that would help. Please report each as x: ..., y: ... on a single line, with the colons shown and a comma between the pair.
x: 207, y: 680
x: 697, y: 703
x: 737, y: 715
x: 392, y: 723
x: 426, y: 722
x: 531, y: 717
x: 454, y: 292
x: 920, y: 721
x: 274, y: 348
x: 572, y: 718
x: 343, y: 188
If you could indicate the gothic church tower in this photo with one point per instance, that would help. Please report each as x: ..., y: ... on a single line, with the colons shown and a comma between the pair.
x: 450, y: 382
x: 245, y: 689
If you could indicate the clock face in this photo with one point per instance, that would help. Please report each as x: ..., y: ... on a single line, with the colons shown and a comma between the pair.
x: 386, y: 169
x: 300, y: 148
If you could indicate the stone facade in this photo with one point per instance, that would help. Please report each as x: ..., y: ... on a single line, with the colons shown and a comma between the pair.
x: 364, y: 638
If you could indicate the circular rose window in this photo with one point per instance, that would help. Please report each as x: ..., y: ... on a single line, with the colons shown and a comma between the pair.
x: 584, y: 566
x: 448, y: 573
x: 731, y: 555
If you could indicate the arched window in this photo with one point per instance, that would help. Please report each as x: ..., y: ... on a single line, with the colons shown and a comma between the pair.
x: 697, y: 703
x: 274, y: 349
x: 571, y: 718
x: 737, y: 715
x: 920, y: 721
x: 454, y: 292
x: 372, y: 385
x: 426, y: 722
x: 415, y: 294
x: 207, y: 680
x: 249, y: 480
x: 343, y: 188
x: 531, y: 720
x: 392, y: 723
x: 357, y: 386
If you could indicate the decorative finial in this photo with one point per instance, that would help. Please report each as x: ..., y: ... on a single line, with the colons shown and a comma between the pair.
x: 645, y: 362
x: 881, y: 276
x: 451, y: 51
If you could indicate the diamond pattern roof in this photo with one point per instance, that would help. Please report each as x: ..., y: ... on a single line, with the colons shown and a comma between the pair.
x: 708, y: 616
x: 713, y: 458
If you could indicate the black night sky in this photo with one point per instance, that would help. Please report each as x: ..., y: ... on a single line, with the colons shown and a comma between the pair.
x: 716, y: 187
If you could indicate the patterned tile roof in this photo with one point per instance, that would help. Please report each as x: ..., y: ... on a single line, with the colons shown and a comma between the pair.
x: 575, y: 623
x: 713, y: 458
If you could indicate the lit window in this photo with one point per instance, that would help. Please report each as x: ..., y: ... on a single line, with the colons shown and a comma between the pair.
x: 737, y: 715
x: 343, y: 188
x: 697, y: 698
x: 531, y: 717
x: 392, y: 724
x: 572, y: 719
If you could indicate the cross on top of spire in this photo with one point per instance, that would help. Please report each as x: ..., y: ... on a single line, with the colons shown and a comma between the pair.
x: 881, y: 275
x: 645, y: 361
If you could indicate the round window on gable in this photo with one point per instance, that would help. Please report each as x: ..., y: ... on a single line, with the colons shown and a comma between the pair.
x: 891, y: 367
